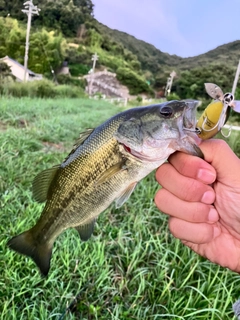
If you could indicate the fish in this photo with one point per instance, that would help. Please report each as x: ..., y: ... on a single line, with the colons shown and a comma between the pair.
x: 104, y: 166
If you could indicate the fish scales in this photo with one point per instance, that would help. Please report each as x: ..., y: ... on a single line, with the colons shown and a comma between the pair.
x: 105, y: 166
x: 77, y: 194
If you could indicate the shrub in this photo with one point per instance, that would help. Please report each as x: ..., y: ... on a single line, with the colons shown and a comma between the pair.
x: 78, y: 69
x: 66, y: 79
x: 69, y: 91
x: 133, y: 81
x: 40, y: 89
x: 44, y: 89
x: 172, y: 96
x: 139, y: 99
x: 16, y: 89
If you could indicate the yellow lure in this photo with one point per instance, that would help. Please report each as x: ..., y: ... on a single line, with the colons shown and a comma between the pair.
x: 208, y: 122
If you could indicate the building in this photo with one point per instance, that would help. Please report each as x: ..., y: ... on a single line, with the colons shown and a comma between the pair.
x: 18, y: 70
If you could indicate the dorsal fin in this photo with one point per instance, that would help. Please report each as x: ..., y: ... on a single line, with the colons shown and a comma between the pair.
x: 41, y: 183
x: 86, y: 230
x: 82, y: 137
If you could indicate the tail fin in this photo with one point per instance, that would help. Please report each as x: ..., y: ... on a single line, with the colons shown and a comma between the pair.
x: 27, y: 245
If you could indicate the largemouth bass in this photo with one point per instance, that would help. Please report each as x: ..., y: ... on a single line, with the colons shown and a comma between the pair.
x: 105, y: 166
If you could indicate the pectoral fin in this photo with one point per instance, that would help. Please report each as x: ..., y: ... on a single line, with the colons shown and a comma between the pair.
x: 125, y: 195
x: 110, y: 172
x: 41, y: 183
x: 86, y: 230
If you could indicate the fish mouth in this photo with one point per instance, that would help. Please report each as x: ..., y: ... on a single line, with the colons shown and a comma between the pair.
x: 190, y: 120
x: 190, y: 138
x: 189, y: 115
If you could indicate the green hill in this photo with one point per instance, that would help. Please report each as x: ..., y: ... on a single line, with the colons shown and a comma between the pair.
x: 227, y: 54
x: 150, y: 56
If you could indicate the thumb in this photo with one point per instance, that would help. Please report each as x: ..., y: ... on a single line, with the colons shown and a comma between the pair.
x: 227, y: 165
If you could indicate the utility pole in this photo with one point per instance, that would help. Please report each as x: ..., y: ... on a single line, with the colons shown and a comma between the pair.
x: 94, y: 58
x: 30, y: 10
x: 169, y: 83
x: 236, y: 79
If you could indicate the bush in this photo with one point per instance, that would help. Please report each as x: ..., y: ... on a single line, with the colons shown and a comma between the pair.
x: 139, y: 99
x: 133, y: 81
x: 16, y: 89
x: 44, y: 89
x: 172, y: 96
x: 69, y: 91
x: 66, y: 79
x: 77, y: 70
x: 40, y: 89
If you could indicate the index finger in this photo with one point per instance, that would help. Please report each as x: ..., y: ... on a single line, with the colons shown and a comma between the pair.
x: 193, y: 167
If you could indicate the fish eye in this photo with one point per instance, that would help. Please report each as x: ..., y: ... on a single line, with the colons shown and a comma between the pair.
x: 166, y: 112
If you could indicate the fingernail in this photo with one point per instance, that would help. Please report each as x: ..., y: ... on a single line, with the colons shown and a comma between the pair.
x: 213, y: 215
x: 216, y: 232
x: 206, y: 176
x: 208, y: 197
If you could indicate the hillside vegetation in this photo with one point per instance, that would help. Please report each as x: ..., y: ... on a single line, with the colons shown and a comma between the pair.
x: 67, y: 31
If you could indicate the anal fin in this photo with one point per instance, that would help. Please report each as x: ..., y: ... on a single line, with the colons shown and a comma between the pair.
x: 86, y: 230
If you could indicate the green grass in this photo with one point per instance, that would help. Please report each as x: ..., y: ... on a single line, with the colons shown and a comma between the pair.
x: 132, y: 268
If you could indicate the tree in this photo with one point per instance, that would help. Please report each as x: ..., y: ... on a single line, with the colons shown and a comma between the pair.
x: 5, y: 72
x: 85, y: 5
x: 12, y: 39
x: 47, y: 51
x: 133, y: 81
x: 190, y: 84
x: 64, y: 15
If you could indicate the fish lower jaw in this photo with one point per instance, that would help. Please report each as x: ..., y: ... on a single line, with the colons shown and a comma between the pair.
x: 155, y: 156
x: 156, y: 159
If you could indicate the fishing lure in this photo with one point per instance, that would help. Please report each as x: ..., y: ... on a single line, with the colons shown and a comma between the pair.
x: 217, y: 113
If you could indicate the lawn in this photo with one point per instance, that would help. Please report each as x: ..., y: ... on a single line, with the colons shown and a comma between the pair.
x: 132, y: 268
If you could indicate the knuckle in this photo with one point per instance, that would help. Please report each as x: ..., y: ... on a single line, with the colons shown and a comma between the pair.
x: 222, y: 144
x: 191, y: 191
x: 199, y: 212
x: 162, y: 173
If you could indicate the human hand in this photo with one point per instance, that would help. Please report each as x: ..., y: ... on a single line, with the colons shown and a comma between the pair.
x: 203, y: 201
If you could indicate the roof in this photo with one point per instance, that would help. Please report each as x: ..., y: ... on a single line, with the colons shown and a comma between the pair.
x: 19, y: 64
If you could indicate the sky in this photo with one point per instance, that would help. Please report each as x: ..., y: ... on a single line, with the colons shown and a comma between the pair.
x: 182, y: 27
